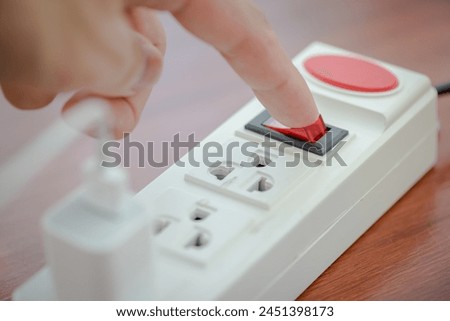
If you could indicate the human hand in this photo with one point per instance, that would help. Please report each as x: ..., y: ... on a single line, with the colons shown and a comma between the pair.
x: 115, y: 48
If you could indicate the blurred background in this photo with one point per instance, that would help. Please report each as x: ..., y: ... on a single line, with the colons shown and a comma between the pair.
x: 198, y: 91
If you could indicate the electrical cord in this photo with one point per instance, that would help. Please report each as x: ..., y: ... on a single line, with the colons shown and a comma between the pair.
x: 443, y: 88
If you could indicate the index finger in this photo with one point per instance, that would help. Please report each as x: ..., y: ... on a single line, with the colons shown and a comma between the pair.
x: 240, y: 32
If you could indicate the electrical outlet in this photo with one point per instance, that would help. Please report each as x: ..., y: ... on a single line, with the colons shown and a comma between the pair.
x: 246, y: 225
x: 193, y: 229
x: 259, y: 176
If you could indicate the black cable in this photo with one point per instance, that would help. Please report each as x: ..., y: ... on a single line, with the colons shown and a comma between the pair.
x: 443, y: 88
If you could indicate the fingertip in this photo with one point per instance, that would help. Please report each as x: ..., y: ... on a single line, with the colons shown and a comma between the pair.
x: 123, y: 116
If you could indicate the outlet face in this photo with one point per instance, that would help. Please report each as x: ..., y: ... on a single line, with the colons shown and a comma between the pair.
x: 193, y: 229
x: 258, y: 176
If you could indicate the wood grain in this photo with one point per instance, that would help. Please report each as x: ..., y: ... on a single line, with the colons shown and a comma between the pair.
x: 404, y: 256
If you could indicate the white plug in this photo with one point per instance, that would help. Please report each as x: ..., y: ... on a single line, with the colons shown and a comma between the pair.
x: 97, y: 240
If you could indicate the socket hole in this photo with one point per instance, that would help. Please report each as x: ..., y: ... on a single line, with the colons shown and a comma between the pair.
x: 221, y: 171
x: 263, y: 161
x: 199, y: 214
x: 161, y: 225
x: 200, y: 240
x: 258, y: 160
x: 261, y: 185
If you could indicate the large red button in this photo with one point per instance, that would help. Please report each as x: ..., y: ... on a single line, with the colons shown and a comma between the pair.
x: 351, y: 73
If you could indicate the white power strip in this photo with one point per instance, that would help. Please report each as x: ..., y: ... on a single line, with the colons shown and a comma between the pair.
x: 234, y: 232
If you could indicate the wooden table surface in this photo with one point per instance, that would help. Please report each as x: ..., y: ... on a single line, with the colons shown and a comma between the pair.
x: 404, y: 256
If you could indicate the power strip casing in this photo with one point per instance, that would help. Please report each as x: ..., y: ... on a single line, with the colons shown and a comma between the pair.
x: 223, y: 240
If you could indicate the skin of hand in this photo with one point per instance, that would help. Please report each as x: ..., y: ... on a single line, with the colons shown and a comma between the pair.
x: 114, y: 49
